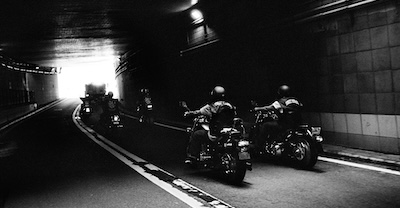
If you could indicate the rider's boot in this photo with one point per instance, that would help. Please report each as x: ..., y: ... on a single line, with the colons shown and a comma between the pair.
x: 190, y: 160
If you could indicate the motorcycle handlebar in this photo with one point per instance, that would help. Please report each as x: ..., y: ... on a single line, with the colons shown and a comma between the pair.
x: 187, y: 114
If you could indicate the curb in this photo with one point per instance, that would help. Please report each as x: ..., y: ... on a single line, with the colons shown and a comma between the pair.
x: 365, y: 158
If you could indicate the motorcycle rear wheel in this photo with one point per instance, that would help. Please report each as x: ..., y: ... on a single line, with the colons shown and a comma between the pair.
x: 305, y: 153
x: 232, y: 169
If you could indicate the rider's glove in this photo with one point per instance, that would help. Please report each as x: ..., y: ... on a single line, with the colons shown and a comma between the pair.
x: 188, y: 113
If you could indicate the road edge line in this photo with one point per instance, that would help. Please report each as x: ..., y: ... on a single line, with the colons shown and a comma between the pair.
x: 124, y: 156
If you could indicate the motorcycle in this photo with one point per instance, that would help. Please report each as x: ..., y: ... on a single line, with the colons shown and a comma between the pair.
x: 145, y: 112
x: 227, y: 153
x: 301, y: 144
x: 111, y: 118
x: 86, y: 108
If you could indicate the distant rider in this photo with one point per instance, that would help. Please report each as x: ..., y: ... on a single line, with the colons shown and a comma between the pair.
x: 219, y: 112
x: 109, y: 106
x: 287, y: 111
x: 145, y: 106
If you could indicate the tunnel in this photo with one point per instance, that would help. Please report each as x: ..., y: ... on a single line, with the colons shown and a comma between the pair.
x: 341, y: 58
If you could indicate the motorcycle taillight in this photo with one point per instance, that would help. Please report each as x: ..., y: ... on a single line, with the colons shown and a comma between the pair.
x: 316, y: 130
x: 116, y: 118
x: 243, y: 143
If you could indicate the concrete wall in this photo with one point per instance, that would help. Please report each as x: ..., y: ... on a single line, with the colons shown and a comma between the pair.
x: 359, y: 74
x: 8, y: 115
x: 44, y: 86
x: 41, y: 89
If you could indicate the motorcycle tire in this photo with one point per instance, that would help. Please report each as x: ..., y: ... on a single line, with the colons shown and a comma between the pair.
x: 233, y: 170
x: 305, y: 153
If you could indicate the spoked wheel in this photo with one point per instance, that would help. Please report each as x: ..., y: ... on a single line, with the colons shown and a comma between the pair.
x: 232, y: 169
x: 305, y: 153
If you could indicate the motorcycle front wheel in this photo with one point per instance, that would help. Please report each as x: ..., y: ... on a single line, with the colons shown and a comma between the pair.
x: 305, y: 153
x: 232, y: 169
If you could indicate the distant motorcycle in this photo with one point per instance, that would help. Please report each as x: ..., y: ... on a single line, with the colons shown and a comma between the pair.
x: 86, y: 108
x: 227, y: 153
x: 301, y: 144
x: 111, y: 117
x: 145, y: 107
x: 145, y: 112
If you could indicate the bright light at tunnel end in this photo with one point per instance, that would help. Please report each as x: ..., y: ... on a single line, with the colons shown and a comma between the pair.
x: 73, y: 77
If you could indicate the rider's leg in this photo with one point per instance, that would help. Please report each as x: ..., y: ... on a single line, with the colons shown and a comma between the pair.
x: 198, y: 138
x: 267, y: 133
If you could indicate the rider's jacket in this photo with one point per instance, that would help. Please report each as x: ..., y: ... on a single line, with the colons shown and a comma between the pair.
x: 220, y: 115
x: 210, y: 109
x: 287, y: 103
x: 289, y: 111
x: 110, y: 105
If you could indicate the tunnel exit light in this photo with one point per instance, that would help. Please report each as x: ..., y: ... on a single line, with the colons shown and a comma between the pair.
x: 73, y: 78
x: 197, y: 16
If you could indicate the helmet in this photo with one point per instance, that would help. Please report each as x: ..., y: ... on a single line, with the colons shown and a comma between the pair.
x: 284, y: 91
x: 144, y: 91
x: 110, y: 94
x: 218, y: 93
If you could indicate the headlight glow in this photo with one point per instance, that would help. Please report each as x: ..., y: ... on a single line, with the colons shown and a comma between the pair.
x: 243, y: 143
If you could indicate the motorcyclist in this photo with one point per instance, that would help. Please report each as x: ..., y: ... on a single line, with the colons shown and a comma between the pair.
x: 286, y: 111
x: 219, y: 113
x: 109, y: 106
x: 145, y: 106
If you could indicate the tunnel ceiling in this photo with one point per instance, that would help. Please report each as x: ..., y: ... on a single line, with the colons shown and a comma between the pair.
x: 52, y: 33
x: 62, y: 32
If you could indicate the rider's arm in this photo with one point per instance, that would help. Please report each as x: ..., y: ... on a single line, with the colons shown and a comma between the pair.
x: 274, y: 106
x: 205, y: 110
x: 263, y: 108
x: 190, y: 113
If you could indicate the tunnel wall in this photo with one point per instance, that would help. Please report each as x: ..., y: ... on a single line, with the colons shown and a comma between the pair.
x: 23, y: 92
x: 44, y: 86
x: 358, y: 77
x: 343, y: 67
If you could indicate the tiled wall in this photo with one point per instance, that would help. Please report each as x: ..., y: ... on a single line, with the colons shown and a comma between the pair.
x: 367, y: 131
x: 359, y: 77
x: 360, y: 68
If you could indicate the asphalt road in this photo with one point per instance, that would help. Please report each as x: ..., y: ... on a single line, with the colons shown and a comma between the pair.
x: 56, y: 165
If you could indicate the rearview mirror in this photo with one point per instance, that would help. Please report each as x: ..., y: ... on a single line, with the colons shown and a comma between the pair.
x: 183, y: 104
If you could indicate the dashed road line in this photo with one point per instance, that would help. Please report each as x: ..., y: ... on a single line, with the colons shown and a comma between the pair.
x: 157, y: 123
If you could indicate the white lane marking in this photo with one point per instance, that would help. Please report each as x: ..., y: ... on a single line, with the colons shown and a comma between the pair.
x: 342, y: 162
x: 108, y: 145
x: 157, y: 123
x: 359, y: 165
x: 170, y: 127
x: 30, y: 114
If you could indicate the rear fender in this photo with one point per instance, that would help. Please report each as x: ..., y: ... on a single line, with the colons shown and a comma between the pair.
x: 295, y: 134
x: 305, y: 133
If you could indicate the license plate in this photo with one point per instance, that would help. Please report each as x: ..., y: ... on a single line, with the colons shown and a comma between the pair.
x: 244, y: 156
